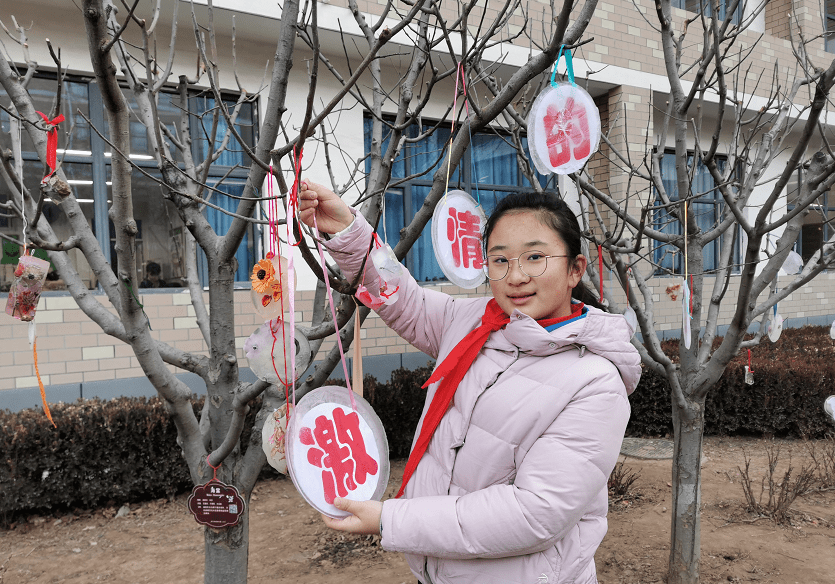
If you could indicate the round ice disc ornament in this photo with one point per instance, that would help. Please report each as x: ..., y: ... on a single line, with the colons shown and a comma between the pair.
x: 270, y: 286
x: 336, y: 451
x: 457, y: 225
x: 775, y: 328
x: 272, y: 439
x: 267, y: 350
x: 793, y: 263
x: 563, y: 129
x: 829, y: 407
x: 631, y: 319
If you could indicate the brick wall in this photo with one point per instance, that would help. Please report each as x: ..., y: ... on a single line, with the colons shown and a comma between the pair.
x: 72, y: 349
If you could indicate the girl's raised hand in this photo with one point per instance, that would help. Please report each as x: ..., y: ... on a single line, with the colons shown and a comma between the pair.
x: 332, y: 214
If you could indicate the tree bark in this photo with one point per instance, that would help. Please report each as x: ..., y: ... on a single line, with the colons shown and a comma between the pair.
x: 685, y: 542
x: 227, y: 552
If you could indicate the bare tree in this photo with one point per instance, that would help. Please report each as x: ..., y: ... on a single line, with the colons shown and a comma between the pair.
x: 769, y: 156
x: 439, y: 40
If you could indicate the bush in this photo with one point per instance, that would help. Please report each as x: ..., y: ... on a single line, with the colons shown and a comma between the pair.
x: 102, y: 452
x: 792, y: 378
x: 125, y: 450
x: 122, y: 450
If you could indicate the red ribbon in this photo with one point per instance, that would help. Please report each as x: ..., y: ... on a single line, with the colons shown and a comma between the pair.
x: 749, y: 361
x: 51, y: 142
x: 452, y: 370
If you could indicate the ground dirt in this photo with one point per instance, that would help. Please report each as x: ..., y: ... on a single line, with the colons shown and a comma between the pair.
x: 160, y: 542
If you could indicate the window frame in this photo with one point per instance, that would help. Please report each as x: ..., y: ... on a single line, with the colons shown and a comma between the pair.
x: 689, y: 6
x: 825, y: 207
x: 717, y: 202
x: 99, y: 162
x: 463, y: 181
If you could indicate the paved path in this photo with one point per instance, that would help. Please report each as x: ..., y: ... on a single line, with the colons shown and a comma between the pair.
x: 654, y: 448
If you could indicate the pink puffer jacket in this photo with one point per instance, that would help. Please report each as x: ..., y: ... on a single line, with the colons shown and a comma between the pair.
x: 512, y: 488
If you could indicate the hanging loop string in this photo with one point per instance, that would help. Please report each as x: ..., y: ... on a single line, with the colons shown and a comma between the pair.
x: 569, y: 66
x: 750, y: 369
x: 333, y: 310
x: 474, y: 178
x: 452, y: 127
x: 214, y: 468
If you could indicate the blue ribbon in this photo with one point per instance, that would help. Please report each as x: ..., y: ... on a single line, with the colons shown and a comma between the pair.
x: 569, y: 66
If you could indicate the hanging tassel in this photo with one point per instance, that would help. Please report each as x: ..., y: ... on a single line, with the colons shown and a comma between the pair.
x: 40, y: 383
x: 32, y: 334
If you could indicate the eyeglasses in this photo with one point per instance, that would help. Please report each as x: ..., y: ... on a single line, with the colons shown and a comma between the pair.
x: 531, y: 263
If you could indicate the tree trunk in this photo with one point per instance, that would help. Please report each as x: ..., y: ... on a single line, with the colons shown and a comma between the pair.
x: 227, y: 552
x: 688, y: 424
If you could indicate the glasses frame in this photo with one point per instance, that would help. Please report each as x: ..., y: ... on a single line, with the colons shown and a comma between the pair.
x: 518, y: 261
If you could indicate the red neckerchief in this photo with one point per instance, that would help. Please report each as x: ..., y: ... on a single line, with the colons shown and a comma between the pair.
x: 452, y: 370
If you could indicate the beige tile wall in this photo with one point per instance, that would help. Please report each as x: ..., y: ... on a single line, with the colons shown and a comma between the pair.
x: 72, y: 349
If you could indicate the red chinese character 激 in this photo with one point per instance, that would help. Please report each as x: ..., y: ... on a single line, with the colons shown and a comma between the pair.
x: 348, y: 432
x: 341, y: 453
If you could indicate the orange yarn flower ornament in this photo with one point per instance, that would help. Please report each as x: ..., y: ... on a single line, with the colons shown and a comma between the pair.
x: 263, y: 275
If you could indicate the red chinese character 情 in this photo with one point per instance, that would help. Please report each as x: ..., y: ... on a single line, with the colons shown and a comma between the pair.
x: 564, y: 129
x: 344, y: 461
x: 462, y: 231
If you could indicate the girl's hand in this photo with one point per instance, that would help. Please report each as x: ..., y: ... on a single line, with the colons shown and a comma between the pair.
x: 364, y: 518
x: 332, y: 214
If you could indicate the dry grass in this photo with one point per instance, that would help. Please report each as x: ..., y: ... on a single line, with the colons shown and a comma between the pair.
x: 776, y: 492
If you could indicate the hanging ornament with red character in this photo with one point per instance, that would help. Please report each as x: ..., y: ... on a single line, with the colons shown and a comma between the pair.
x: 563, y: 125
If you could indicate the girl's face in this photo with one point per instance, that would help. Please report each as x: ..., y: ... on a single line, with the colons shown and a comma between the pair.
x: 547, y: 295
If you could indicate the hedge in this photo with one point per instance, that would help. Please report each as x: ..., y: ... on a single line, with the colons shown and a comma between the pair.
x: 792, y: 378
x: 125, y: 450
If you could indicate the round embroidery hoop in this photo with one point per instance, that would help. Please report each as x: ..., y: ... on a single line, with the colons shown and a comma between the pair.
x: 306, y: 477
x: 554, y: 101
x: 469, y: 277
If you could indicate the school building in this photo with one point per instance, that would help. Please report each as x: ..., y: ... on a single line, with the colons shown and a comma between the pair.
x: 622, y: 67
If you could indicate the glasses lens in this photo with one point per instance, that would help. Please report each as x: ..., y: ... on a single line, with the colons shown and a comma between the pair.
x: 496, y: 267
x: 533, y: 263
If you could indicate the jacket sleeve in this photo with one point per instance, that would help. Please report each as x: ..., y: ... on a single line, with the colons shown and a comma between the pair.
x: 556, y: 484
x: 418, y: 315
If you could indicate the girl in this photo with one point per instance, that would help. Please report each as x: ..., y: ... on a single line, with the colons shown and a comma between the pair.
x: 525, y: 411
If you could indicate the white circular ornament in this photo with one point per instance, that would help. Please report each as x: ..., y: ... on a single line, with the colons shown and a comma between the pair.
x: 631, y: 319
x: 457, y: 225
x: 775, y: 328
x: 267, y: 350
x: 335, y: 451
x: 272, y: 439
x: 563, y: 129
x: 829, y: 407
x: 793, y: 263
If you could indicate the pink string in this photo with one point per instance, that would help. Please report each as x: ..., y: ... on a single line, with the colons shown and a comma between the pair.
x: 333, y: 311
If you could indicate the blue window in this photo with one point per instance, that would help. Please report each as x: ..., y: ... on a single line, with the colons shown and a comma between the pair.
x: 707, y: 208
x: 85, y: 159
x: 488, y: 172
x: 707, y: 6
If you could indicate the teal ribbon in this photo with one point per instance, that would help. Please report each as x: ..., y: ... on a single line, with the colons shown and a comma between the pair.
x: 569, y: 66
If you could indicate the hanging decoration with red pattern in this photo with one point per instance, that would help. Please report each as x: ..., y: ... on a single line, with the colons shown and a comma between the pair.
x: 563, y: 124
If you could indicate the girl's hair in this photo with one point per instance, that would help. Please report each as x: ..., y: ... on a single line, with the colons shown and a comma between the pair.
x: 553, y: 212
